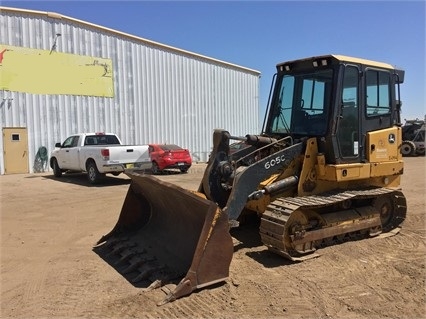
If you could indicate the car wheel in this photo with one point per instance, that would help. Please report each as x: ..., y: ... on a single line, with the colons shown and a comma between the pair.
x: 184, y: 169
x: 56, y: 169
x: 93, y: 174
x: 408, y: 148
x: 155, y: 169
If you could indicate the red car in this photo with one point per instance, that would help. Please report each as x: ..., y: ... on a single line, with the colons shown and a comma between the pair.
x: 164, y: 156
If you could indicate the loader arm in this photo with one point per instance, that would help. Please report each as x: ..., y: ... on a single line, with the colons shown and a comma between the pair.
x: 231, y: 188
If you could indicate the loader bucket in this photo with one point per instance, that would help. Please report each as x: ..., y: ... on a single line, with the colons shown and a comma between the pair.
x: 165, y: 232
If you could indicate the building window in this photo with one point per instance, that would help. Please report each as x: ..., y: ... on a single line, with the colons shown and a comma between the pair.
x: 15, y: 137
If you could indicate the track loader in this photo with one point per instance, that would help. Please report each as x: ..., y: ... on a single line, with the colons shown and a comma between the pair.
x: 326, y: 168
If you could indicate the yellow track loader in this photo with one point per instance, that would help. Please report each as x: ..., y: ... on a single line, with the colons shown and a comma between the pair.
x: 325, y: 169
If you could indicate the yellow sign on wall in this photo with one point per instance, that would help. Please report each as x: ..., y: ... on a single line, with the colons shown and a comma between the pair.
x: 50, y: 72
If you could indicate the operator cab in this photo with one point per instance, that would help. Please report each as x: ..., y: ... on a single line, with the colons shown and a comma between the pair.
x: 337, y: 99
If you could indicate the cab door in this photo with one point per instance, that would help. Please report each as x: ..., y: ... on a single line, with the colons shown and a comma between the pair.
x: 348, y: 128
x: 379, y: 116
x: 366, y: 107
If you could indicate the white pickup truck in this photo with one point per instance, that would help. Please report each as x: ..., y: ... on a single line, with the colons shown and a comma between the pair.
x: 97, y: 154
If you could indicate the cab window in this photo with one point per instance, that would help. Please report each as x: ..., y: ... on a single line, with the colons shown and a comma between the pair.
x: 378, y: 93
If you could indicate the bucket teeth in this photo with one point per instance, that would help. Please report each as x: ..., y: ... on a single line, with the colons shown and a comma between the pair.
x: 146, y: 273
x: 154, y: 285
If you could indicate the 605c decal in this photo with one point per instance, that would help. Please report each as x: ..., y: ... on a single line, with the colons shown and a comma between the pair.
x: 275, y: 161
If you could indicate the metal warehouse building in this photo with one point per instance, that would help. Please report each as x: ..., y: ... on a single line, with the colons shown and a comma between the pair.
x: 60, y: 76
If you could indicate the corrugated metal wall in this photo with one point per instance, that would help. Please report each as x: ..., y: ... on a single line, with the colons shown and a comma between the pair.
x: 162, y: 94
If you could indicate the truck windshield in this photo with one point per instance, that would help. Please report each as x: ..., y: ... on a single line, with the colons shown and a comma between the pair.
x: 101, y: 140
x: 302, y: 104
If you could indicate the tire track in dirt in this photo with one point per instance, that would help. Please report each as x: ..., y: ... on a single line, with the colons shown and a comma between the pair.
x: 406, y: 242
x: 35, y: 283
x: 366, y: 277
x: 206, y: 303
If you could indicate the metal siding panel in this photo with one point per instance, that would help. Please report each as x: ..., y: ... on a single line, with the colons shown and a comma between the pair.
x: 135, y: 90
x: 141, y: 66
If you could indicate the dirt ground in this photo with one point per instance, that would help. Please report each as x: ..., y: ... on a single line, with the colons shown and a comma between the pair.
x: 49, y: 270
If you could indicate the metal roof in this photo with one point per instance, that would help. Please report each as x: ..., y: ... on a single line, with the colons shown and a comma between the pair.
x: 55, y: 15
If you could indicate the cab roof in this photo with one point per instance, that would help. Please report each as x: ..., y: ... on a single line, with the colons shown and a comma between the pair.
x: 342, y: 58
x: 333, y: 59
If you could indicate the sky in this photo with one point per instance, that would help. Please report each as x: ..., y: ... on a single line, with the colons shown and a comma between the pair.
x: 260, y: 34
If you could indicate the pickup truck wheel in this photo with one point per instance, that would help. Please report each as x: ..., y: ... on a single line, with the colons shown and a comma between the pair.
x: 56, y: 170
x: 93, y: 174
x: 184, y: 169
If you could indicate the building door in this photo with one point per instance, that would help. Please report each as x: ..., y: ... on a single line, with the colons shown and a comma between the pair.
x: 15, y: 147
